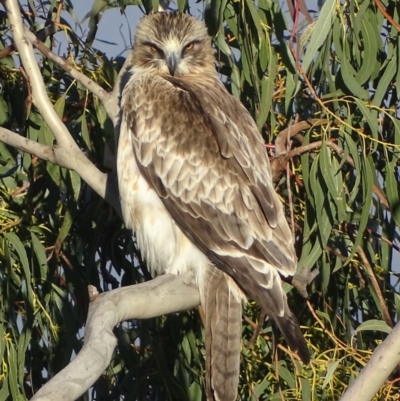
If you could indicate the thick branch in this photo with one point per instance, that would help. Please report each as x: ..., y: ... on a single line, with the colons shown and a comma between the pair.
x: 40, y: 98
x: 105, y: 185
x: 165, y: 294
x: 383, y: 361
x: 67, y: 152
x: 26, y: 145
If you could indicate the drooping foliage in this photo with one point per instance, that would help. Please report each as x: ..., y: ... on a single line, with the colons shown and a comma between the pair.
x: 328, y: 82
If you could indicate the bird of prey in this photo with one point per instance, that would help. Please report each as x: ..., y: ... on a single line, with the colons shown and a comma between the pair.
x: 195, y: 185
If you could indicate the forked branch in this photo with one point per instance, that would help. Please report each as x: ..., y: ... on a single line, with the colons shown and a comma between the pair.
x: 165, y: 294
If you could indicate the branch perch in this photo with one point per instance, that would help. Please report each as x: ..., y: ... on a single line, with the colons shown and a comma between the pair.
x: 66, y: 153
x: 383, y: 361
x: 165, y: 294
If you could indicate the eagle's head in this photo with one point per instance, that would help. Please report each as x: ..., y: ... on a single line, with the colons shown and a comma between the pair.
x: 172, y: 43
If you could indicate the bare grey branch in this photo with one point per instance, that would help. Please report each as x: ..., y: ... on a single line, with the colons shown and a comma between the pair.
x: 382, y: 363
x: 165, y: 294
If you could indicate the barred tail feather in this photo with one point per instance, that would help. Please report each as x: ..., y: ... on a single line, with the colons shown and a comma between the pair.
x: 223, y: 314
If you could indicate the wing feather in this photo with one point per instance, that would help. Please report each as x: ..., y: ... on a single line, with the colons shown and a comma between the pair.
x: 199, y: 148
x: 217, y: 172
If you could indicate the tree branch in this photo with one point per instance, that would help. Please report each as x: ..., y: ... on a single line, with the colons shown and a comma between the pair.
x: 110, y: 104
x: 41, y: 35
x: 165, y: 294
x: 26, y: 145
x: 278, y: 163
x: 293, y: 130
x: 383, y: 361
x: 67, y: 152
x: 104, y: 184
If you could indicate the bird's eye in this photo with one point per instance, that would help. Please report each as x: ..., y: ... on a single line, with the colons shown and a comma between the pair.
x: 153, y: 48
x: 189, y: 46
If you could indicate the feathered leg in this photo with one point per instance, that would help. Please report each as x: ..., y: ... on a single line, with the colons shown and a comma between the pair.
x: 223, y: 315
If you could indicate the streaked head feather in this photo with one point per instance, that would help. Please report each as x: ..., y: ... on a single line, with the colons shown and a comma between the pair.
x: 158, y: 35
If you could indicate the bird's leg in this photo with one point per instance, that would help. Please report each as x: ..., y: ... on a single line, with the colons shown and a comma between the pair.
x: 301, y: 280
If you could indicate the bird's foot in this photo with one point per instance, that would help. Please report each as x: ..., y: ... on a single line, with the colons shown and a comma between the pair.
x: 302, y: 279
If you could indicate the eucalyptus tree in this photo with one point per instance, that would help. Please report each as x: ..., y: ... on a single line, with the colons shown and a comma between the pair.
x: 323, y: 87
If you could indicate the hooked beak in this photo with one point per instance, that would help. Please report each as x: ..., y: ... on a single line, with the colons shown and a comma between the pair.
x: 172, y: 62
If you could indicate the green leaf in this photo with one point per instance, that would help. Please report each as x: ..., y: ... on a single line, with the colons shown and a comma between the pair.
x: 64, y: 230
x: 20, y: 249
x: 254, y: 15
x: 369, y: 58
x: 320, y: 32
x: 150, y: 5
x: 267, y: 91
x: 182, y: 5
x: 326, y: 169
x: 353, y: 151
x: 12, y: 373
x: 290, y: 90
x: 324, y: 315
x: 306, y: 393
x: 333, y: 179
x: 3, y: 111
x: 59, y: 105
x: 286, y: 376
x: 23, y: 343
x: 370, y: 116
x: 264, y: 52
x: 235, y: 82
x: 75, y: 184
x: 329, y: 372
x: 385, y: 82
x: 54, y: 172
x: 4, y: 390
x: 100, y: 112
x: 195, y: 392
x: 318, y: 193
x: 311, y: 252
x: 40, y: 253
x: 367, y: 172
x: 392, y: 191
x: 85, y: 131
x: 350, y: 80
x: 374, y: 325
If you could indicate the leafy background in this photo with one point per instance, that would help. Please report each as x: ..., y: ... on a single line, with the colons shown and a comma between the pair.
x: 331, y: 83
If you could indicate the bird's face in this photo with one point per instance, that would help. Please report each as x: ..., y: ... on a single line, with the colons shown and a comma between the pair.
x: 172, y: 44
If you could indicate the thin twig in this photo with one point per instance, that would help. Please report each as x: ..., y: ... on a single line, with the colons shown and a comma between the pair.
x: 59, y: 9
x: 278, y: 164
x: 41, y: 35
x: 293, y: 130
x: 387, y: 16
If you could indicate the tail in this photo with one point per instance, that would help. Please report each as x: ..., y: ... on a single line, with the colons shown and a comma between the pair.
x: 223, y: 333
x: 290, y: 328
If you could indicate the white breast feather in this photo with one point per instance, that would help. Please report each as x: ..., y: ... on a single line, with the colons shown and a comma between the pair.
x: 163, y: 245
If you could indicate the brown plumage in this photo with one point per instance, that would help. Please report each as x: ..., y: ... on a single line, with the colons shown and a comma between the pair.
x: 196, y: 187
